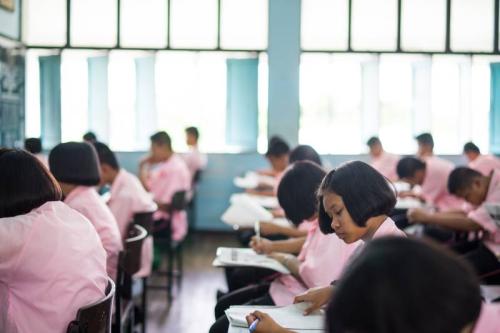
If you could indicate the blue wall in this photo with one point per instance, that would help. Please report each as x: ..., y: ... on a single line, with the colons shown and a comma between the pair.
x: 217, y: 183
x: 9, y: 22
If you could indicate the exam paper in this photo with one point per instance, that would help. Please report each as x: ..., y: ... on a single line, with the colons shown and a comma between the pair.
x: 246, y: 257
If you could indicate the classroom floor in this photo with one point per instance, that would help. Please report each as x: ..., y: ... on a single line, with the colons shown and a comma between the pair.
x: 192, y: 310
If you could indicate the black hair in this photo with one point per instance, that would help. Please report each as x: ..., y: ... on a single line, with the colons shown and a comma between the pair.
x: 297, y: 190
x: 90, y: 136
x: 33, y: 145
x: 365, y: 192
x: 374, y: 140
x: 404, y: 285
x: 305, y: 153
x: 161, y: 138
x: 408, y: 166
x: 277, y: 147
x: 470, y: 147
x: 106, y: 155
x: 193, y: 131
x: 25, y: 183
x: 461, y: 178
x: 425, y: 139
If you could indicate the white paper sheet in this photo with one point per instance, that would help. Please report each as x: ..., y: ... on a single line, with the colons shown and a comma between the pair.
x: 261, y: 200
x: 246, y: 257
x: 244, y: 212
x: 290, y: 317
x: 252, y: 180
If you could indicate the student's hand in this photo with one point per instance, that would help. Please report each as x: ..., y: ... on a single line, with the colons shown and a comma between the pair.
x: 318, y: 297
x: 278, y: 212
x: 280, y: 257
x: 269, y: 228
x: 148, y: 159
x: 262, y: 246
x: 406, y: 194
x: 266, y: 323
x: 417, y: 215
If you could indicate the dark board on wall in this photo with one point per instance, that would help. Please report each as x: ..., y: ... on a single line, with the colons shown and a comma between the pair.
x: 11, y: 98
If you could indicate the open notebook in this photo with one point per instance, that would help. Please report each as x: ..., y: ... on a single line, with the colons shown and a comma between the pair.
x: 290, y: 317
x: 246, y: 257
x: 252, y: 180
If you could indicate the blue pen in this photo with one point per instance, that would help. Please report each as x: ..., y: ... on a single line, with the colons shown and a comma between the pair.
x: 253, y: 327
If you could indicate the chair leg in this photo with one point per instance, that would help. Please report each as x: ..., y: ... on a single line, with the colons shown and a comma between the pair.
x: 180, y: 265
x: 144, y: 303
x: 170, y: 273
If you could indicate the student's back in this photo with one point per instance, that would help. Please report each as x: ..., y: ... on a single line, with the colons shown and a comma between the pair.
x: 485, y: 164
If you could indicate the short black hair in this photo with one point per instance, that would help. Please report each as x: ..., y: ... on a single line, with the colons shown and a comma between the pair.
x: 193, y: 131
x: 106, y: 155
x: 277, y: 147
x: 425, y: 139
x: 33, y: 145
x: 404, y: 285
x: 90, y: 136
x: 304, y: 153
x: 461, y: 178
x: 161, y: 138
x: 365, y: 192
x: 25, y: 183
x: 408, y: 166
x: 470, y: 147
x: 297, y: 190
x: 374, y: 140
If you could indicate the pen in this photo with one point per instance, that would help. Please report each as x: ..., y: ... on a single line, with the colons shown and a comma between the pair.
x: 253, y: 326
x: 257, y: 230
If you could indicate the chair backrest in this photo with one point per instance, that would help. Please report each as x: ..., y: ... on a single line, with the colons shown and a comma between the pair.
x: 96, y: 317
x: 145, y: 220
x: 197, y: 177
x: 179, y: 201
x: 130, y: 257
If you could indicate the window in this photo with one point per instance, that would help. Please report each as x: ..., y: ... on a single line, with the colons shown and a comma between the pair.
x: 134, y: 32
x: 324, y: 24
x: 244, y: 24
x: 44, y: 22
x: 93, y: 23
x: 472, y: 25
x: 374, y: 18
x: 194, y: 23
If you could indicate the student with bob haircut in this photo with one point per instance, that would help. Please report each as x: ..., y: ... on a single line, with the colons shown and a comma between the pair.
x: 355, y: 201
x: 321, y: 258
x: 478, y: 190
x: 432, y: 176
x: 399, y: 298
x: 304, y: 153
x: 127, y: 198
x: 44, y: 277
x: 75, y: 166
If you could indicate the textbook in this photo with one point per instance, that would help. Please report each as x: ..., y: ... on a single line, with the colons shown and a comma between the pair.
x: 237, y: 257
x: 261, y: 200
x: 252, y: 180
x: 245, y: 212
x: 290, y: 317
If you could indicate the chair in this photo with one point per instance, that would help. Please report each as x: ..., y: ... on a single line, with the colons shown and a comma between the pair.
x: 191, y: 209
x: 96, y: 317
x: 163, y: 238
x: 129, y: 263
x: 145, y: 220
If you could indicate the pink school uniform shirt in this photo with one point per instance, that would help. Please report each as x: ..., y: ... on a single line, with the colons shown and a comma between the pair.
x: 194, y: 160
x: 485, y: 164
x: 322, y: 257
x: 435, y: 185
x: 51, y: 264
x: 386, y: 164
x: 480, y: 214
x: 489, y: 319
x: 127, y: 198
x: 167, y: 178
x: 86, y: 201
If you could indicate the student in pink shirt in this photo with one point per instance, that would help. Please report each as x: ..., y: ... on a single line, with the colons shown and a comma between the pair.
x: 382, y: 161
x: 195, y: 160
x: 297, y: 196
x: 128, y: 197
x: 479, y: 162
x: 34, y: 146
x: 477, y: 190
x: 163, y: 173
x: 75, y: 166
x: 382, y: 291
x: 432, y: 175
x: 51, y: 259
